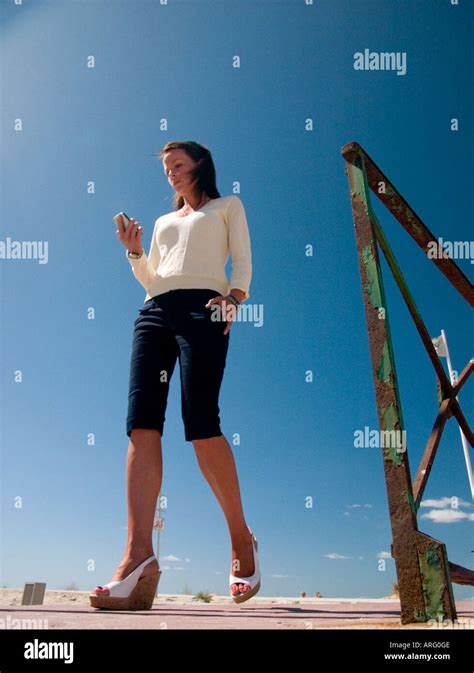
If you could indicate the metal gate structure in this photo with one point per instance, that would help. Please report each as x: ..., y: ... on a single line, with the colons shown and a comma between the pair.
x: 423, y: 570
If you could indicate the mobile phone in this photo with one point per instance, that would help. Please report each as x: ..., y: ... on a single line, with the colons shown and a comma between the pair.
x: 125, y: 220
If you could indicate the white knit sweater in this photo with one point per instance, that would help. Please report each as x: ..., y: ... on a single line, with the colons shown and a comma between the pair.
x: 192, y: 251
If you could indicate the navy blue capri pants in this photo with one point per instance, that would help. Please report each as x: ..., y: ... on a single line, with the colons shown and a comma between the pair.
x: 170, y: 326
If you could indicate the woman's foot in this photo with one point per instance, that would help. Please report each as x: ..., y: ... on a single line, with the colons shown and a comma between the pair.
x: 244, y: 553
x: 128, y: 564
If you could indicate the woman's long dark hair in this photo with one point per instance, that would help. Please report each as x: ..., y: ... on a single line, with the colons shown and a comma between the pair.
x: 204, y: 173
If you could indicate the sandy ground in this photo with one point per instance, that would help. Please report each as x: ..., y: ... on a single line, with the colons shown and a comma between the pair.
x: 71, y: 609
x: 64, y: 597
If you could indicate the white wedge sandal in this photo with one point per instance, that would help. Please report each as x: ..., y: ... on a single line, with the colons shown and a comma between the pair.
x: 253, y: 581
x: 132, y: 593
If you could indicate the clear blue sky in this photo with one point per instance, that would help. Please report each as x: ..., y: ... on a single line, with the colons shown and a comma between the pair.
x: 104, y: 124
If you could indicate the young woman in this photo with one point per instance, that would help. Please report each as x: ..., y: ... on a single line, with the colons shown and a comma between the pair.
x: 187, y: 289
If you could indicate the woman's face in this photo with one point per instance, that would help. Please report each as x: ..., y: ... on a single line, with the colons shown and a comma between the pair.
x: 177, y: 165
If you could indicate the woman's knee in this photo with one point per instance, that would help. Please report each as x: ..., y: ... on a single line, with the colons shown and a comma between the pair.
x: 145, y: 435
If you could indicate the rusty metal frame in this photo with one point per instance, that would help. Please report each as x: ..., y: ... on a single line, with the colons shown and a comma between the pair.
x: 423, y: 570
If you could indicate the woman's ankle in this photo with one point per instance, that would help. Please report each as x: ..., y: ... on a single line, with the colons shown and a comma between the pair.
x: 137, y: 553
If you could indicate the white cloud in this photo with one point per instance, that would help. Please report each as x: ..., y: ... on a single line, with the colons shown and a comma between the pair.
x: 452, y: 502
x: 384, y: 554
x: 356, y: 505
x: 447, y: 510
x: 170, y: 557
x: 333, y: 556
x: 448, y: 515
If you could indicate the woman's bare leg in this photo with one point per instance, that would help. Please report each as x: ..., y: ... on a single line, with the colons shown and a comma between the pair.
x: 217, y: 464
x: 144, y: 477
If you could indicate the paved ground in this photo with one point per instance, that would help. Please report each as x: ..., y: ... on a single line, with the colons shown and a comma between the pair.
x: 174, y: 612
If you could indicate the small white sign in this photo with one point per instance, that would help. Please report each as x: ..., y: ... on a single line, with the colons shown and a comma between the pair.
x: 159, y: 523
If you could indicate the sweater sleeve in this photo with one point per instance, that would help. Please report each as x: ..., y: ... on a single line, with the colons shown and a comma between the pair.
x: 239, y: 246
x: 144, y: 269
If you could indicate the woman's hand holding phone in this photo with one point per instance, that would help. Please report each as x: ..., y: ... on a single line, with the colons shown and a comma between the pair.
x: 129, y: 232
